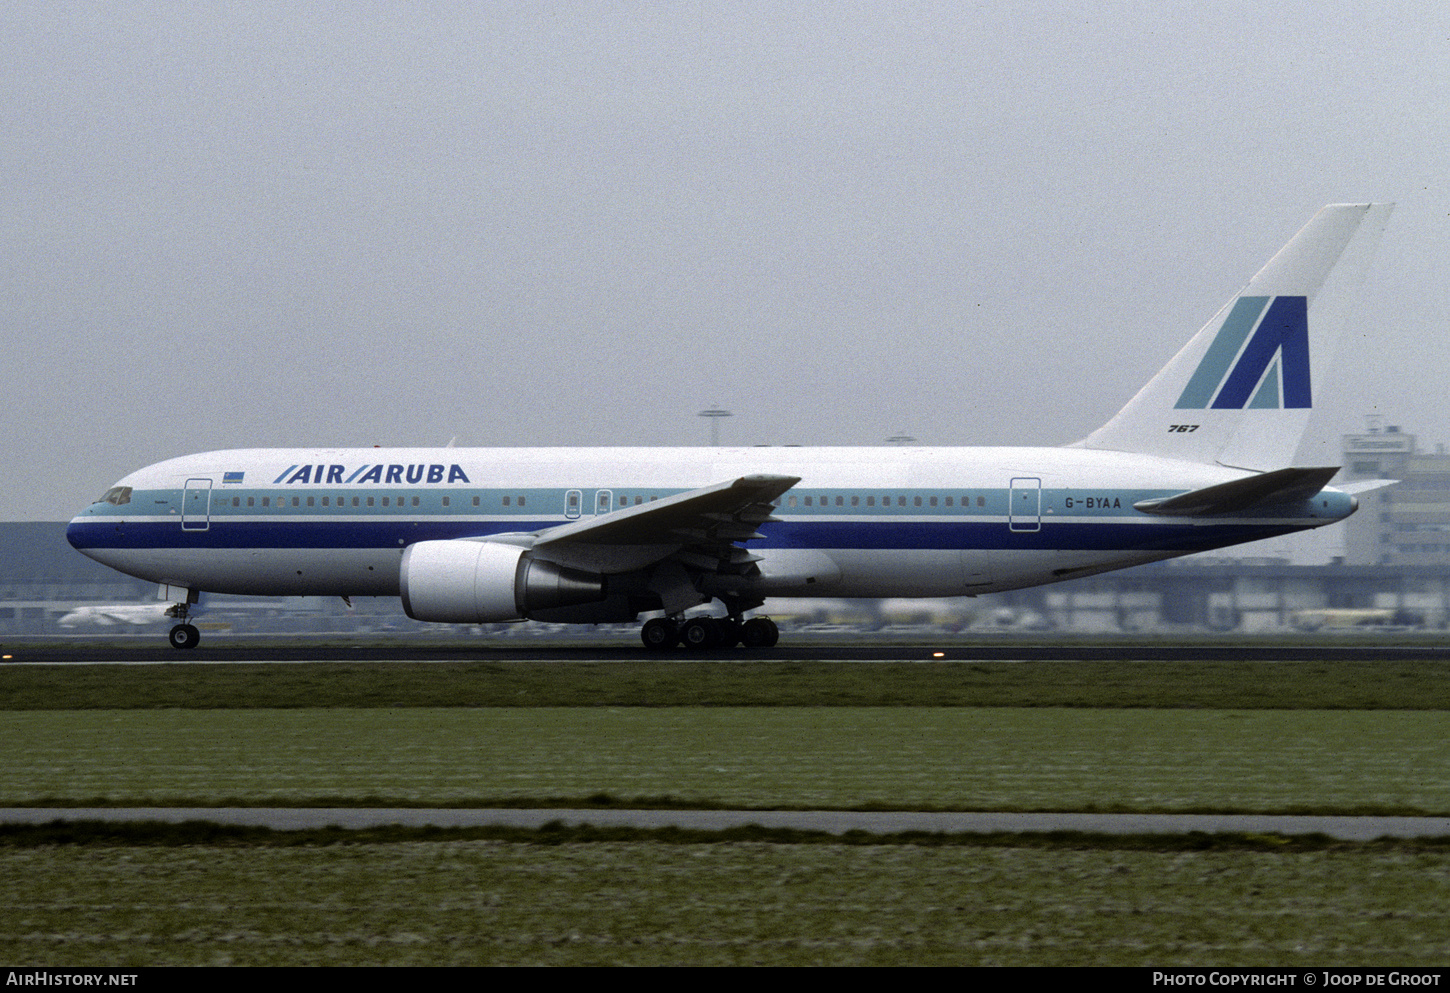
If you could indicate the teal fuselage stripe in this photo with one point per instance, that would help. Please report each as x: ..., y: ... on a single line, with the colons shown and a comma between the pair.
x: 1069, y: 519
x: 221, y: 502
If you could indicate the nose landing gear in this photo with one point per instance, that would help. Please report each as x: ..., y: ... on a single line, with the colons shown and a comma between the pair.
x: 184, y: 635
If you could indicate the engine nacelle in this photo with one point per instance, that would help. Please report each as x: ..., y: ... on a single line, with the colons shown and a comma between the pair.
x: 479, y: 582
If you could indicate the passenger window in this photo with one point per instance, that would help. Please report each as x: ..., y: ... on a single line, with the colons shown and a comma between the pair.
x: 933, y: 501
x: 916, y: 501
x: 870, y: 501
x: 981, y: 501
x: 521, y: 501
x: 506, y: 500
x: 415, y: 501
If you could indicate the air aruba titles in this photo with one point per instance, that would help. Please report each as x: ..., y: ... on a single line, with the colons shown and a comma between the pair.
x: 335, y: 475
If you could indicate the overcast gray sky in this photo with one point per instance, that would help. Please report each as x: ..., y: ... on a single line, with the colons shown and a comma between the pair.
x: 243, y: 225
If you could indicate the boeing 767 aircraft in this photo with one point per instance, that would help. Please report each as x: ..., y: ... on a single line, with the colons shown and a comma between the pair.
x: 1199, y: 459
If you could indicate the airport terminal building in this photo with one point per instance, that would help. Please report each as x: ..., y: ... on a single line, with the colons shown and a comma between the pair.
x: 1403, y: 525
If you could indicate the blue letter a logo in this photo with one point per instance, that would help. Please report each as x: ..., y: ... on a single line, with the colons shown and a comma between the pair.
x: 1271, y: 371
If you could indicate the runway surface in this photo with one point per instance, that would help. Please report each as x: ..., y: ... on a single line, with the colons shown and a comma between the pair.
x: 240, y: 651
x: 830, y: 821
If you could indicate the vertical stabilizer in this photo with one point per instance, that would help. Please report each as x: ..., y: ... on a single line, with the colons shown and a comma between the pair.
x: 1240, y: 392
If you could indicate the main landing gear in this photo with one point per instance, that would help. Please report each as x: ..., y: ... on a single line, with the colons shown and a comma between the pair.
x: 699, y: 633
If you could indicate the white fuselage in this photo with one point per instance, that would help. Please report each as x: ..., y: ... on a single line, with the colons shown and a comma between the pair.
x: 862, y: 522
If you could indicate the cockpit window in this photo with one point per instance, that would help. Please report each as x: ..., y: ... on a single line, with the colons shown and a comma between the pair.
x: 116, y: 495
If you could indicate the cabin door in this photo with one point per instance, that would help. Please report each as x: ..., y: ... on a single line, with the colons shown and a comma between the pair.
x: 196, y: 505
x: 1024, y: 513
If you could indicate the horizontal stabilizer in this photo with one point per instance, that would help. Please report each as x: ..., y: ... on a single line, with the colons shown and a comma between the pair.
x: 1366, y: 485
x: 1279, y: 486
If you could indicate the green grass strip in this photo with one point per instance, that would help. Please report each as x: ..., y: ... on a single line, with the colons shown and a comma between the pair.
x: 1241, y: 685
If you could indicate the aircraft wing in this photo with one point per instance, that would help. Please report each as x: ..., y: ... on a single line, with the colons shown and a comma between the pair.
x: 699, y: 527
x: 1279, y: 486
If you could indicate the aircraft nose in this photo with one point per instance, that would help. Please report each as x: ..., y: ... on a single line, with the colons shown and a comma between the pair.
x: 73, y: 532
x: 81, y: 532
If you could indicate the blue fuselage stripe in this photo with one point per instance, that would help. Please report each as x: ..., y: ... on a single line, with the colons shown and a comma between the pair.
x: 944, y: 535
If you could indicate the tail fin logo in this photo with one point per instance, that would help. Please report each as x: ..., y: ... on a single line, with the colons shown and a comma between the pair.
x: 1271, y: 371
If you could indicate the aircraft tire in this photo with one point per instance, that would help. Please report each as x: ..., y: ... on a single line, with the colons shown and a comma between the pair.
x: 700, y: 633
x: 732, y: 633
x: 659, y: 634
x: 185, y: 636
x: 760, y: 632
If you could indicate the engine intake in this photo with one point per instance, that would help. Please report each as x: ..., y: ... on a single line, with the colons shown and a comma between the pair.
x: 479, y: 582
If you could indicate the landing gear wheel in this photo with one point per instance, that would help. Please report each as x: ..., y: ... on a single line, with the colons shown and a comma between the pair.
x: 760, y: 632
x: 659, y: 634
x: 700, y: 633
x: 185, y: 636
x: 732, y: 633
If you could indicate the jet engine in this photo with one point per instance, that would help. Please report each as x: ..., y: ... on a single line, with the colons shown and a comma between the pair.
x: 479, y: 582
